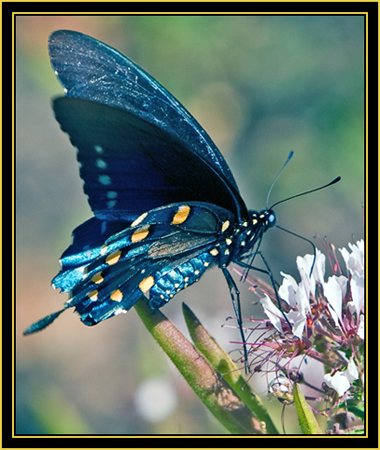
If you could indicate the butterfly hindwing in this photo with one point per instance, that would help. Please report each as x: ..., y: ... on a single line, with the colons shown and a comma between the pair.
x: 162, y: 251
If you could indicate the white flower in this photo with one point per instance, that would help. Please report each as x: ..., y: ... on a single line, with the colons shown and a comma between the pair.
x: 361, y: 327
x: 352, y: 371
x: 297, y: 296
x: 357, y: 292
x: 355, y: 265
x: 304, y: 266
x: 305, y: 302
x: 335, y: 291
x: 354, y: 260
x: 341, y: 380
x: 319, y: 267
x: 273, y: 313
x: 298, y: 322
x: 288, y: 289
x: 294, y: 296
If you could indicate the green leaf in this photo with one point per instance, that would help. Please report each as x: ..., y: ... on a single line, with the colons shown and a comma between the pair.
x: 226, y: 367
x: 210, y: 387
x: 306, y: 418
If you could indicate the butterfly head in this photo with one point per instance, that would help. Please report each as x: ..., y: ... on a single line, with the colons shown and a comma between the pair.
x: 250, y: 232
x: 264, y: 219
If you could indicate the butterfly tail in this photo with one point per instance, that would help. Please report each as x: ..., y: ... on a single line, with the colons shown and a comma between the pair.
x: 43, y: 323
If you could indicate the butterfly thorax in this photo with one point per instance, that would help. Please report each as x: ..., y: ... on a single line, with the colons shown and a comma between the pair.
x: 232, y: 246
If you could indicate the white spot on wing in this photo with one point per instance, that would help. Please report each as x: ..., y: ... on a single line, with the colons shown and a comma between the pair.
x: 98, y: 149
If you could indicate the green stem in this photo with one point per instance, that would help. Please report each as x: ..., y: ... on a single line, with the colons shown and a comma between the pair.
x: 210, y: 387
x: 306, y: 418
x: 224, y: 365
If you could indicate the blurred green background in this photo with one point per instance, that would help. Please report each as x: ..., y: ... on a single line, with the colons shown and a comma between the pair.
x: 261, y: 86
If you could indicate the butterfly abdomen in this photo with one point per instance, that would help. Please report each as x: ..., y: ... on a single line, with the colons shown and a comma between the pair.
x: 222, y: 253
x: 179, y: 278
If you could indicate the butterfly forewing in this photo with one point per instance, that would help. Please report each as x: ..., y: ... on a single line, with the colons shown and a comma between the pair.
x: 90, y: 69
x: 130, y: 166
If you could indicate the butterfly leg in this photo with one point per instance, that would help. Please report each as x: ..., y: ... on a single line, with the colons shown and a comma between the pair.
x: 235, y: 297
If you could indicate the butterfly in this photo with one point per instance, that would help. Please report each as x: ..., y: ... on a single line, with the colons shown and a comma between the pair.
x: 166, y: 205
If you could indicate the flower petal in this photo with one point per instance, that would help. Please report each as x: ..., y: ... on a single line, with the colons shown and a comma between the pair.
x: 360, y: 330
x: 273, y: 313
x: 357, y: 291
x: 298, y: 322
x: 354, y: 260
x: 333, y: 293
x: 288, y: 289
x: 341, y: 381
x: 352, y: 371
x: 302, y: 299
x: 338, y: 382
x: 304, y: 266
x: 319, y: 267
x: 358, y: 255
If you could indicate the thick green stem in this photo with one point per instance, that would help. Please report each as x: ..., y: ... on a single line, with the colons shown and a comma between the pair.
x: 224, y: 365
x: 306, y: 418
x: 210, y: 387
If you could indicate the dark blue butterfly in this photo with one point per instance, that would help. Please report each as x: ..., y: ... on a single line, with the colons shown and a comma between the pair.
x: 166, y: 206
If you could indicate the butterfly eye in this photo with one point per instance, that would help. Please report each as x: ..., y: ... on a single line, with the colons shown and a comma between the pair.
x: 271, y: 219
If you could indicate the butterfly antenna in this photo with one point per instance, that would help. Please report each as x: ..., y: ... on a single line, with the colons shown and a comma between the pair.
x: 306, y: 192
x: 304, y: 239
x: 297, y: 235
x: 278, y: 176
